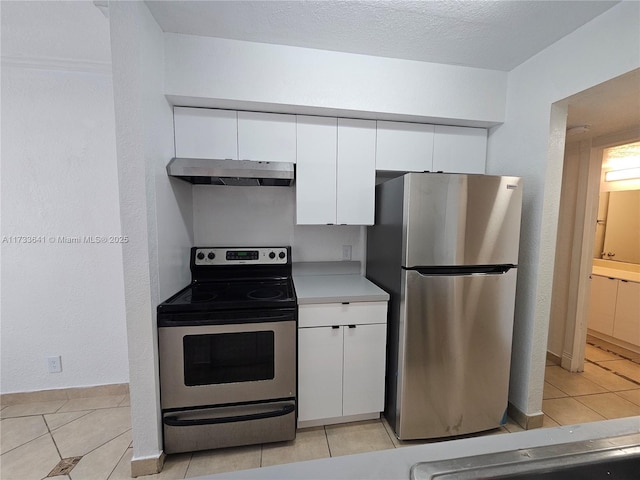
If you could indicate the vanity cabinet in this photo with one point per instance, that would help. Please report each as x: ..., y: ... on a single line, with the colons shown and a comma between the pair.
x: 205, y: 133
x: 614, y: 309
x: 335, y: 174
x: 341, y: 362
x: 627, y: 318
x: 602, y: 304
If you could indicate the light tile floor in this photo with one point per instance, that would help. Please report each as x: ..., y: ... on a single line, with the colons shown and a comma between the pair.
x: 36, y: 436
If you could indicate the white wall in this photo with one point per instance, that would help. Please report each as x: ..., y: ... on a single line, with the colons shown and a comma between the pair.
x: 59, y: 179
x: 205, y: 71
x: 265, y: 216
x: 530, y: 144
x: 156, y: 212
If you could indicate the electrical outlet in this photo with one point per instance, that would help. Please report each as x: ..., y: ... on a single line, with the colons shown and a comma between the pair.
x: 346, y: 252
x: 54, y: 363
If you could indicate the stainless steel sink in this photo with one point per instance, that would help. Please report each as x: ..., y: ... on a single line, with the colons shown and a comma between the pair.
x: 610, y: 458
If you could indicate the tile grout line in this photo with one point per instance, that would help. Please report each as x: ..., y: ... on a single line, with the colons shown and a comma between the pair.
x: 110, y: 440
x: 118, y: 463
x: 25, y: 443
x: 388, y: 434
x: 326, y: 437
x: 87, y: 412
x: 261, y: 454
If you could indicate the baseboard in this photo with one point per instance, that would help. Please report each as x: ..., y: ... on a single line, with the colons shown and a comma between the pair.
x: 615, y: 345
x: 336, y: 420
x: 63, y: 394
x: 553, y: 358
x: 147, y: 465
x: 528, y: 422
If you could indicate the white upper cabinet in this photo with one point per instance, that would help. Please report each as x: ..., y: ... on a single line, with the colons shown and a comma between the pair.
x: 316, y: 170
x: 267, y: 137
x: 205, y: 133
x: 335, y: 174
x: 406, y: 147
x: 459, y: 149
x: 356, y: 171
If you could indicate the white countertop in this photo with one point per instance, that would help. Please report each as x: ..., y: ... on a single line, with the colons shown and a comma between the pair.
x: 334, y: 282
x: 616, y: 273
x: 396, y: 463
x: 337, y: 289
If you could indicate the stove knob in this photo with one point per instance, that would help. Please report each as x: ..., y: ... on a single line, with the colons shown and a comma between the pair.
x: 211, y: 256
x: 281, y: 255
x: 200, y: 256
x: 272, y: 255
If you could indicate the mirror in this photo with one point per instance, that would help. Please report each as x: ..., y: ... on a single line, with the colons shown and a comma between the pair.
x: 620, y: 239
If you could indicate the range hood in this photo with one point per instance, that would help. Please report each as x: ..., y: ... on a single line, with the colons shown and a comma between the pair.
x: 232, y: 172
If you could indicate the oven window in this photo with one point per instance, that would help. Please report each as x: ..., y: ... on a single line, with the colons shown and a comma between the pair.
x: 228, y: 358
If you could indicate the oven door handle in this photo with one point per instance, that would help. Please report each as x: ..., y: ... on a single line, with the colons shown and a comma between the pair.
x: 175, y: 421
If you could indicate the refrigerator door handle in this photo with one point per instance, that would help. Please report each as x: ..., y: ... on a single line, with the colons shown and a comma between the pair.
x: 460, y: 270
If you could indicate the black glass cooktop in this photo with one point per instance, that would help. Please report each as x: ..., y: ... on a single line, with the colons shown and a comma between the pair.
x: 223, y: 295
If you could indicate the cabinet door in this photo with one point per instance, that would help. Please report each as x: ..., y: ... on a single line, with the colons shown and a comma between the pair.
x: 406, y: 147
x: 364, y: 364
x: 356, y: 171
x: 205, y: 133
x: 602, y: 304
x: 316, y: 170
x: 459, y: 149
x: 266, y: 137
x: 319, y: 373
x: 627, y: 319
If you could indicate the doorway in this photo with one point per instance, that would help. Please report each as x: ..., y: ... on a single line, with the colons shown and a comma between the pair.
x: 600, y: 117
x: 578, y: 237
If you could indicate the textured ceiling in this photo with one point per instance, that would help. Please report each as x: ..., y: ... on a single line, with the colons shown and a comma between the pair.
x: 496, y: 35
x: 486, y: 34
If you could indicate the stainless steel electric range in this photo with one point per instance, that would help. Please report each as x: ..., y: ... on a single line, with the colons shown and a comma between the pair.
x: 227, y: 349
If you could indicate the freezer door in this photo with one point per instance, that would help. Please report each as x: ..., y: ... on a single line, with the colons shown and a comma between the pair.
x: 455, y: 353
x: 454, y: 219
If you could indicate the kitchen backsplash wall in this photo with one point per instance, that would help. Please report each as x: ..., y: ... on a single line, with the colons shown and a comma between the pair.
x: 263, y: 216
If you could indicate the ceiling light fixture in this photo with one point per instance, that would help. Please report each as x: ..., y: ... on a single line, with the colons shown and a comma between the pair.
x: 626, y: 174
x: 578, y: 129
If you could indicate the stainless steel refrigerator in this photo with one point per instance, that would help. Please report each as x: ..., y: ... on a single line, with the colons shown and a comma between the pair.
x: 445, y: 246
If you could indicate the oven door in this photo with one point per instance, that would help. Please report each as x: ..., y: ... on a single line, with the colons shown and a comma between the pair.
x: 249, y: 360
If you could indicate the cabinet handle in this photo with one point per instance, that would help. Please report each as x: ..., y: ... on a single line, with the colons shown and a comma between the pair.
x: 345, y: 303
x: 335, y: 326
x: 352, y: 326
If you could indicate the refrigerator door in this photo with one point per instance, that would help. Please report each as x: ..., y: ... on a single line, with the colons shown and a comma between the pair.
x: 452, y: 219
x: 455, y: 353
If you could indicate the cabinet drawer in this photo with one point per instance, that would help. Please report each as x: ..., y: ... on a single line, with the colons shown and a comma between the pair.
x: 355, y: 313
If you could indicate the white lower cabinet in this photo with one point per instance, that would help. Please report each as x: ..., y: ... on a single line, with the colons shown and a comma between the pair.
x: 341, y: 362
x: 614, y: 309
x: 363, y: 369
x: 319, y: 373
x: 602, y: 304
x: 627, y: 320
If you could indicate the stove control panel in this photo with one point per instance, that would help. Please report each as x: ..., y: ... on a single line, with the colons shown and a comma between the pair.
x: 240, y: 256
